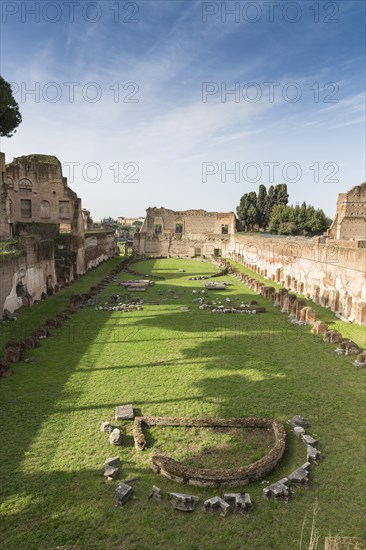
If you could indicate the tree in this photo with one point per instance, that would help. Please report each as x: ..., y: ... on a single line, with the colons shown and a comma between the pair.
x: 10, y: 117
x: 242, y: 211
x: 261, y: 206
x: 281, y: 193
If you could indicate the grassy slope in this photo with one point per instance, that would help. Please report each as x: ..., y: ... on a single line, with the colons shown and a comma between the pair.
x: 171, y: 363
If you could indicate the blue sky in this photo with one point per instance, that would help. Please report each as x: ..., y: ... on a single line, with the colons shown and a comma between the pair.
x: 147, y: 121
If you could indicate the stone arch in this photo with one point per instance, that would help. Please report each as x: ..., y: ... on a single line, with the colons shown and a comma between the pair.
x: 25, y: 185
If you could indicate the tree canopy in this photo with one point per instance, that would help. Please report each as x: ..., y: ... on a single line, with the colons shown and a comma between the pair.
x: 10, y: 116
x: 270, y: 211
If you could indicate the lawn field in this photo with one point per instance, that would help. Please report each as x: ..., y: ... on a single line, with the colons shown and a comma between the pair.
x: 169, y: 362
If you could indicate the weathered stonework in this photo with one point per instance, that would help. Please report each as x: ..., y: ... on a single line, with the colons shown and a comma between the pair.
x: 55, y: 243
x: 202, y: 477
x: 332, y: 275
x: 350, y: 219
x: 188, y: 233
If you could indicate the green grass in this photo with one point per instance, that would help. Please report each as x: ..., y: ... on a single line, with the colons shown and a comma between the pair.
x: 214, y: 448
x: 167, y: 362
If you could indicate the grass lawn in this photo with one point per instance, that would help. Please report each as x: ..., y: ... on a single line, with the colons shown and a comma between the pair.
x: 169, y: 362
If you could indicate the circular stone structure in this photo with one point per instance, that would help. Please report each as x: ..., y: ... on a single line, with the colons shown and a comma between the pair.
x: 202, y: 477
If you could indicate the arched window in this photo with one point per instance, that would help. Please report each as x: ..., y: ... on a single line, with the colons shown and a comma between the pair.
x: 45, y: 209
x: 25, y: 185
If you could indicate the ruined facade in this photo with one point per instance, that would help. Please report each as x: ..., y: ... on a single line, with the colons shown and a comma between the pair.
x: 187, y: 233
x: 350, y: 219
x: 55, y: 240
x: 332, y: 274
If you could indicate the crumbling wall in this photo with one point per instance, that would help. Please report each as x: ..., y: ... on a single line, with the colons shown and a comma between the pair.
x: 26, y: 278
x: 350, y: 219
x: 184, y: 233
x: 330, y: 274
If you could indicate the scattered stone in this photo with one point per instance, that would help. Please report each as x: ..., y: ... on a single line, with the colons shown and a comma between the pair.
x: 239, y: 502
x: 309, y: 440
x: 300, y: 477
x: 155, y: 493
x: 123, y: 493
x: 111, y: 467
x: 360, y: 360
x: 115, y: 437
x: 216, y: 504
x: 182, y: 270
x: 312, y: 454
x: 319, y: 327
x: 277, y: 491
x: 183, y: 502
x: 348, y: 347
x: 106, y: 427
x: 299, y: 431
x: 332, y: 337
x: 298, y: 420
x: 185, y: 308
x: 215, y: 286
x: 124, y: 412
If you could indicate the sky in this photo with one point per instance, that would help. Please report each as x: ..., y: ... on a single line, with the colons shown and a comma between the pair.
x: 189, y: 104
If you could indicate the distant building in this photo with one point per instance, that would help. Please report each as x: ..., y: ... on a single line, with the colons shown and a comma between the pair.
x: 186, y: 233
x: 129, y: 221
x: 350, y: 220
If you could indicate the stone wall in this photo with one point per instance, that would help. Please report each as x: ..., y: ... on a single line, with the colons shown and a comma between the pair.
x: 26, y: 278
x: 330, y: 274
x: 187, y: 233
x: 350, y: 219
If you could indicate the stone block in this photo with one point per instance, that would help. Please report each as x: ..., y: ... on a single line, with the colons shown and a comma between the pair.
x: 299, y: 431
x: 115, y: 437
x: 319, y: 327
x: 216, y: 504
x: 312, y: 454
x: 277, y: 491
x: 300, y: 477
x: 239, y: 502
x: 156, y: 493
x: 183, y: 502
x: 106, y: 427
x: 298, y: 420
x: 360, y: 360
x: 309, y: 440
x: 124, y: 412
x: 123, y: 493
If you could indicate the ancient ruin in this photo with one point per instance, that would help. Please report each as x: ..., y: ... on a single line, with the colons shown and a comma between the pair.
x: 55, y: 242
x: 349, y: 223
x: 187, y: 233
x: 202, y: 477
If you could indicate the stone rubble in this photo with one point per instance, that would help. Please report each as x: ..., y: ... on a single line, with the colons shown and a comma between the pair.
x: 278, y: 491
x: 312, y: 454
x: 156, y: 493
x: 111, y: 467
x: 300, y: 477
x: 298, y: 420
x: 216, y: 504
x: 183, y: 502
x: 239, y: 502
x: 115, y: 437
x: 106, y: 427
x: 123, y: 493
